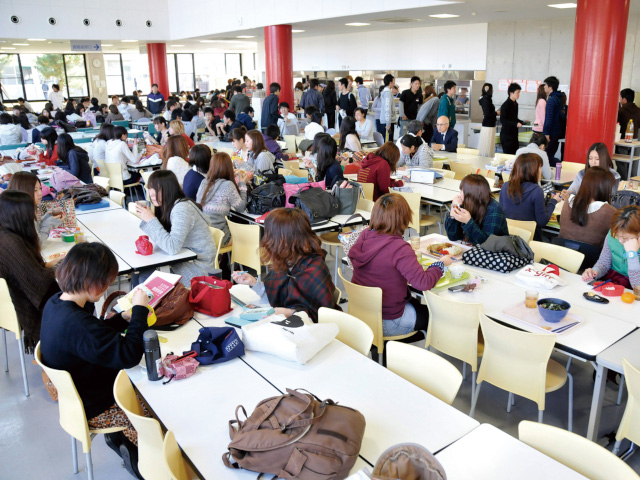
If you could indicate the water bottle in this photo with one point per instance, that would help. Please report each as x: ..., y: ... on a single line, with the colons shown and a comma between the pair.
x: 558, y: 170
x: 152, y: 354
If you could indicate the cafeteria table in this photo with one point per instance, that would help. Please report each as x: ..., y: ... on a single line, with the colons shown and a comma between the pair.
x: 112, y: 206
x: 335, y: 223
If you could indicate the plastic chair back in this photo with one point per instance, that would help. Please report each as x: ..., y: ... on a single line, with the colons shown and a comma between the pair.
x: 364, y: 204
x: 468, y: 151
x: 423, y: 368
x: 229, y: 151
x: 413, y: 199
x: 444, y: 173
x: 503, y: 157
x: 101, y: 166
x: 460, y: 170
x: 290, y: 140
x: 120, y: 123
x: 515, y: 361
x: 218, y: 236
x: 521, y: 232
x: 152, y: 129
x: 378, y: 138
x: 8, y: 316
x: 453, y: 328
x: 563, y: 257
x: 299, y: 138
x: 353, y: 332
x: 438, y: 164
x: 572, y: 166
x: 246, y: 245
x: 367, y: 189
x: 291, y: 165
x: 284, y: 171
x: 150, y: 439
x: 526, y: 225
x: 114, y: 172
x: 173, y: 460
x: 630, y: 424
x: 117, y: 197
x: 591, y: 252
x: 576, y: 452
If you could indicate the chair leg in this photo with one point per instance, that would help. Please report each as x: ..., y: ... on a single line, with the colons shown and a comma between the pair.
x: 620, y: 389
x: 509, y: 402
x: 569, y: 363
x: 74, y: 454
x: 464, y: 370
x: 540, y: 415
x: 335, y: 273
x: 473, y: 383
x: 89, y: 465
x: 570, y: 416
x: 474, y: 400
x: 6, y: 353
x: 23, y: 366
x: 616, y: 447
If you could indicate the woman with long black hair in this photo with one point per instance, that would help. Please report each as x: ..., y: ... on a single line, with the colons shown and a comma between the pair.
x: 73, y: 159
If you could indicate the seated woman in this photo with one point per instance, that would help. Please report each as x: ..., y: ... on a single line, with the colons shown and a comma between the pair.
x: 97, y: 148
x: 522, y: 198
x: 619, y: 258
x: 177, y: 223
x: 139, y: 112
x: 597, y: 155
x: 270, y: 137
x: 259, y: 159
x: 30, y: 281
x: 49, y: 137
x: 114, y: 114
x: 328, y: 168
x: 377, y: 167
x: 173, y: 157
x: 415, y: 152
x: 176, y: 127
x: 349, y: 138
x: 364, y: 127
x: 199, y: 160
x: 73, y: 159
x: 238, y: 143
x: 94, y: 351
x: 475, y: 214
x: 29, y: 134
x: 538, y: 145
x: 298, y: 278
x: 382, y: 258
x: 586, y: 216
x: 117, y: 151
x: 221, y: 191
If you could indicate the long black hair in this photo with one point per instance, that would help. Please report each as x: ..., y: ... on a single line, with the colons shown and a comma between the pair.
x: 326, y: 150
x: 169, y: 192
x: 51, y: 136
x: 347, y: 127
x: 65, y: 146
x: 18, y: 216
x: 106, y: 132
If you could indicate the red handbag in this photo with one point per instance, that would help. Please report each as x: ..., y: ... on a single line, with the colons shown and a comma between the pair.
x: 210, y: 295
x: 143, y: 245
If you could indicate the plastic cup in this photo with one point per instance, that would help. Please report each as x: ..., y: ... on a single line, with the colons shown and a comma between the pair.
x: 531, y: 299
x: 415, y: 243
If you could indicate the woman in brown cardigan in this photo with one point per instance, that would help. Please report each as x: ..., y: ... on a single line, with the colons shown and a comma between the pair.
x: 30, y: 282
x: 586, y: 216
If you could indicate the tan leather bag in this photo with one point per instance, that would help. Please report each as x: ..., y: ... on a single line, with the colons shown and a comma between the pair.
x: 296, y: 437
x: 408, y: 461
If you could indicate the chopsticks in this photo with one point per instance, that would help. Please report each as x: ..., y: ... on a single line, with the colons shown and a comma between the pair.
x: 564, y: 327
x: 601, y: 284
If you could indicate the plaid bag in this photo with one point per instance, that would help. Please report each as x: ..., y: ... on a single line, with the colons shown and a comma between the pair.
x: 498, y: 261
x: 68, y: 211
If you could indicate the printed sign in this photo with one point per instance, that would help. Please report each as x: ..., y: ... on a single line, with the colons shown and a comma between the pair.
x: 532, y: 86
x: 503, y: 84
x: 86, y: 45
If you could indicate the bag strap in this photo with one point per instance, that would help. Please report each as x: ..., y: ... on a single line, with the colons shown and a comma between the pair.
x: 352, y: 217
x: 112, y: 296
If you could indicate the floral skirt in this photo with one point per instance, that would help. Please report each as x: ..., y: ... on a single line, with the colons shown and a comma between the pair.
x: 115, y: 417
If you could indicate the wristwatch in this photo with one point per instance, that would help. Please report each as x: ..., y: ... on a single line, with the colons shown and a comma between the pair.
x: 632, y: 254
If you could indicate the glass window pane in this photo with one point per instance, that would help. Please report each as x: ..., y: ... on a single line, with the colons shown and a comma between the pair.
x: 76, y: 75
x: 40, y: 71
x: 185, y: 71
x: 136, y: 73
x: 171, y: 67
x: 10, y: 77
x: 233, y: 65
x: 210, y: 71
x: 113, y: 72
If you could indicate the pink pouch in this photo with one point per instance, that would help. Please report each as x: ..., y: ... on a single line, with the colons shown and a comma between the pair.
x: 293, y: 189
x: 178, y: 367
x: 46, y: 190
x: 143, y: 245
x: 61, y: 179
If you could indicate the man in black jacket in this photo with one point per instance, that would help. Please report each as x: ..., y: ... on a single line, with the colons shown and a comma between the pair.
x: 510, y: 121
x: 346, y: 102
x: 270, y: 113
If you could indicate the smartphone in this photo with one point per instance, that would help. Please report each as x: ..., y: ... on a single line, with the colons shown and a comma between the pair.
x: 457, y: 288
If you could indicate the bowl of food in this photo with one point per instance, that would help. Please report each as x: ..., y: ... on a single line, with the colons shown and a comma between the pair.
x: 444, y: 248
x: 553, y: 309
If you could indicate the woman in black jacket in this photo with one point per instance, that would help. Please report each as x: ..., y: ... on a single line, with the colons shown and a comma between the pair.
x: 73, y: 159
x: 510, y: 121
x: 487, y: 141
x: 330, y: 103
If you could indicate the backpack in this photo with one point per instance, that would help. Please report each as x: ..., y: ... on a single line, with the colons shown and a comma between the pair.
x: 296, y: 437
x: 265, y: 198
x: 268, y: 176
x: 625, y: 198
x: 408, y: 460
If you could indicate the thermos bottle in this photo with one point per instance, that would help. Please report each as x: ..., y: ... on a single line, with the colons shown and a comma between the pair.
x: 558, y: 170
x: 152, y: 354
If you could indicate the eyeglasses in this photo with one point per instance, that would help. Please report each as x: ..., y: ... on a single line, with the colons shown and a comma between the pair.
x: 442, y: 124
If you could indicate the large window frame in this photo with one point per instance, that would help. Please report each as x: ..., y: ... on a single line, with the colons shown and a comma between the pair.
x: 66, y: 78
x: 122, y: 93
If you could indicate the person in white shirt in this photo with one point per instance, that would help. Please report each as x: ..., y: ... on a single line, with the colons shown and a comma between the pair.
x: 364, y: 127
x: 117, y: 151
x: 56, y: 97
x: 288, y: 124
x: 315, y: 122
x: 538, y: 146
x: 25, y: 104
x: 10, y: 133
x: 97, y: 148
x: 123, y: 108
x: 171, y: 106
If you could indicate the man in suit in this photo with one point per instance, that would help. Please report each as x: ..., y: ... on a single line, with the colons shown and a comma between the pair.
x: 444, y: 138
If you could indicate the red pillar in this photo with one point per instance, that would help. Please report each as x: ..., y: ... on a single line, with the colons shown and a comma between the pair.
x: 596, y: 72
x: 158, y: 72
x: 279, y: 60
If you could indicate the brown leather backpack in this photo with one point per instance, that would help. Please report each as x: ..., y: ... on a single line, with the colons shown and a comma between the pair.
x: 410, y: 462
x: 296, y: 437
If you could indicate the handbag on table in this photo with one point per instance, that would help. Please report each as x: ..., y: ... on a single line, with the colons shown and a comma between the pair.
x: 292, y: 189
x: 175, y: 367
x: 348, y: 197
x: 217, y: 345
x: 318, y: 204
x: 210, y: 295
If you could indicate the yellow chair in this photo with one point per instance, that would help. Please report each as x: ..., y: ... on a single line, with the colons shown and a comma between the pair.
x: 364, y: 204
x: 246, y: 245
x: 101, y: 167
x: 290, y: 140
x: 503, y: 157
x: 576, y: 452
x: 562, y: 256
x: 454, y: 330
x: 365, y: 303
x: 102, y: 181
x: 468, y: 151
x: 145, y: 174
x: 572, y: 166
x: 367, y: 190
x: 460, y: 170
x: 438, y: 164
x: 505, y: 177
x: 284, y: 171
x: 418, y: 220
x: 445, y: 173
x: 117, y: 197
x: 72, y: 417
x: 150, y: 438
x: 9, y: 322
x: 423, y: 368
x: 630, y: 424
x: 218, y: 236
x: 291, y: 164
x: 299, y: 138
x: 530, y: 226
x: 173, y: 460
x: 300, y: 173
x: 353, y: 332
x: 520, y: 363
x: 115, y: 178
x: 521, y: 232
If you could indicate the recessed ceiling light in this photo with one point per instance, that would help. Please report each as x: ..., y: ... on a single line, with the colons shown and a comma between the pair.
x: 36, y: 39
x: 297, y: 31
x: 357, y: 24
x: 20, y: 44
x: 444, y: 15
x: 563, y: 5
x: 8, y: 48
x: 245, y: 36
x: 500, y: 11
x: 129, y: 41
x: 177, y: 45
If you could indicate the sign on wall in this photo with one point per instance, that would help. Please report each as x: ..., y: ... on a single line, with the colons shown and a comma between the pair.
x: 529, y: 86
x: 86, y: 45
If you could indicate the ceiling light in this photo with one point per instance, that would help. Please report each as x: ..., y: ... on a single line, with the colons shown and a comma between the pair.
x: 245, y: 36
x: 563, y: 5
x: 444, y: 15
x: 357, y: 24
x: 128, y: 41
x: 177, y: 45
x: 20, y: 44
x: 207, y: 41
x: 297, y: 31
x: 8, y: 48
x: 36, y: 39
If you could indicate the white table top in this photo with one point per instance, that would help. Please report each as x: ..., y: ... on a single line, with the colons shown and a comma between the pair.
x: 627, y: 348
x: 488, y: 453
x: 119, y: 229
x: 431, y: 193
x: 112, y: 206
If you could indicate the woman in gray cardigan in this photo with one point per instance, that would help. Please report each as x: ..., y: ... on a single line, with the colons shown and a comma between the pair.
x: 177, y: 223
x: 259, y: 158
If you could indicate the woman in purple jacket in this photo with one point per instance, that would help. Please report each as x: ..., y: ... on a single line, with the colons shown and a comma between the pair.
x: 382, y: 258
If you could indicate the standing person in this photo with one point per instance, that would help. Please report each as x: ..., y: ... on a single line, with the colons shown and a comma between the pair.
x: 411, y: 100
x: 628, y: 111
x: 376, y: 107
x: 554, y: 117
x: 117, y: 151
x: 270, y: 106
x: 428, y: 112
x: 447, y: 106
x: 363, y: 95
x: 541, y: 109
x: 297, y: 96
x: 364, y: 127
x: 155, y: 100
x: 487, y: 141
x: 388, y: 115
x: 174, y: 157
x: 73, y: 159
x: 45, y: 89
x: 346, y: 102
x: 239, y: 101
x: 56, y: 97
x: 354, y: 91
x: 510, y: 121
x: 313, y: 96
x: 330, y: 100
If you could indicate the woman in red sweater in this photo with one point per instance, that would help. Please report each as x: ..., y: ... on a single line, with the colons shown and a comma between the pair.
x: 382, y: 258
x: 377, y: 167
x: 49, y: 137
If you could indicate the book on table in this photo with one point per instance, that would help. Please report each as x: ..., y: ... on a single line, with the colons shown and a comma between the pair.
x: 159, y: 284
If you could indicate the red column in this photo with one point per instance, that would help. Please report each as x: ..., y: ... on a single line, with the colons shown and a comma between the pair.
x: 279, y: 60
x: 598, y: 53
x: 158, y: 73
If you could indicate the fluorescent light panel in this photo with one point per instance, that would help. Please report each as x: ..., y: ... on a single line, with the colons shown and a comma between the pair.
x: 357, y: 24
x: 36, y: 39
x: 128, y: 41
x: 245, y: 36
x: 444, y: 15
x: 563, y: 5
x: 20, y: 44
x: 177, y: 45
x: 297, y: 31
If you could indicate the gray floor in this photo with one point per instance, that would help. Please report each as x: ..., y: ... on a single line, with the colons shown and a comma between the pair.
x: 33, y: 446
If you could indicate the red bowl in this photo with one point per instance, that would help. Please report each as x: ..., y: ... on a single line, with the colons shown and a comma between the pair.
x: 610, y: 290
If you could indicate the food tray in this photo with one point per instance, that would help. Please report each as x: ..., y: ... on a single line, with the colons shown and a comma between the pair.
x: 531, y: 316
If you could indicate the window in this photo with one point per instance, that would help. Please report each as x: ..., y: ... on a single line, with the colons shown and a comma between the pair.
x: 171, y: 71
x: 40, y: 71
x: 76, y: 73
x: 135, y: 68
x: 185, y: 72
x: 210, y: 71
x: 11, y: 77
x: 234, y: 69
x: 113, y: 71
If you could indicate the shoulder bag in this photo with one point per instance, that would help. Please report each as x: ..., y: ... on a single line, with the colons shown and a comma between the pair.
x: 318, y: 204
x: 210, y: 295
x: 265, y: 198
x: 348, y: 197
